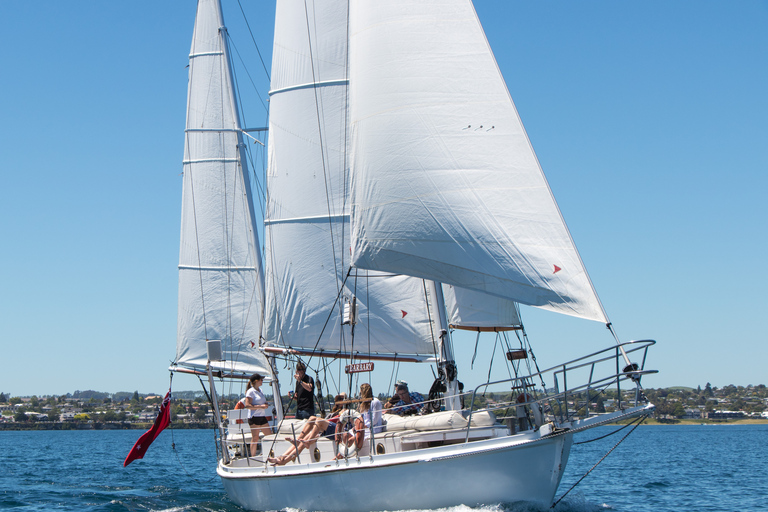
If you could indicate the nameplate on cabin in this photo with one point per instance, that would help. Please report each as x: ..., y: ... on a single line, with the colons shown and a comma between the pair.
x: 359, y: 367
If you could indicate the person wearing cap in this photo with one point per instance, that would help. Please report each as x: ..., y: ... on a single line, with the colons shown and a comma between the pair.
x: 409, y: 403
x: 256, y: 403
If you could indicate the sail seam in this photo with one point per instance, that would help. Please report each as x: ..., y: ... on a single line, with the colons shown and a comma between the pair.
x: 205, y: 54
x: 311, y: 85
x: 211, y: 130
x: 314, y: 218
x: 234, y: 269
x: 210, y: 160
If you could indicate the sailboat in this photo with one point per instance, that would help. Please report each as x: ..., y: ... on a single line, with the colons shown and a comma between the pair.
x: 403, y: 201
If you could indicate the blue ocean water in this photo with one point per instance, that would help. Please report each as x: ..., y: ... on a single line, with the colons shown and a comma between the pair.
x: 657, y: 468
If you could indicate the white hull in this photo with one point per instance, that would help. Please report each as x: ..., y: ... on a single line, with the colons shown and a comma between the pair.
x: 526, y: 467
x: 502, y: 470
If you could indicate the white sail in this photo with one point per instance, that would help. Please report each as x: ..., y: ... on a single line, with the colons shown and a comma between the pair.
x: 220, y: 283
x: 307, y: 219
x: 473, y: 310
x: 421, y: 182
x: 445, y: 184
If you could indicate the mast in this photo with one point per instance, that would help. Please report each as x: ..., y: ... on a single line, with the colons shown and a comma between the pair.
x: 213, y: 348
x: 447, y: 366
x: 241, y: 151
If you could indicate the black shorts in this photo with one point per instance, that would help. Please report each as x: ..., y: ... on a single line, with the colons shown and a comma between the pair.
x: 257, y: 420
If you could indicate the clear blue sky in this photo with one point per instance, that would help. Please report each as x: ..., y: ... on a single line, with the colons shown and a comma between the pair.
x: 650, y: 120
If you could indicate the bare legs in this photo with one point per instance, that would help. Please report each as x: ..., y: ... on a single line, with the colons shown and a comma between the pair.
x: 313, y: 429
x: 255, y: 431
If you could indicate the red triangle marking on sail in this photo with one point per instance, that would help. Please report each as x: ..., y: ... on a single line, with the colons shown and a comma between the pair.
x: 253, y: 344
x: 404, y: 313
x: 557, y: 269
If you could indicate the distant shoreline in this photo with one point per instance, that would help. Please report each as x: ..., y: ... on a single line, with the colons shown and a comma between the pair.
x: 746, y: 421
x: 201, y: 426
x: 98, y: 426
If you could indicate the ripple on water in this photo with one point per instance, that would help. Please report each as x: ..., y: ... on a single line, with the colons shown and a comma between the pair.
x: 657, y: 469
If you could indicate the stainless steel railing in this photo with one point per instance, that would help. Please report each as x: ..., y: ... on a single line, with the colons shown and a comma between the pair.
x: 595, y: 372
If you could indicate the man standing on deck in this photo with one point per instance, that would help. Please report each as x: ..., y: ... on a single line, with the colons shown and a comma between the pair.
x: 305, y: 385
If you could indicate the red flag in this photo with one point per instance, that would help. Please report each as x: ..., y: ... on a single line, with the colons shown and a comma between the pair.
x: 163, y: 420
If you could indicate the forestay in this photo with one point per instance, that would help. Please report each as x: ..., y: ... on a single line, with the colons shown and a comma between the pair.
x: 307, y: 242
x: 445, y: 184
x: 220, y: 283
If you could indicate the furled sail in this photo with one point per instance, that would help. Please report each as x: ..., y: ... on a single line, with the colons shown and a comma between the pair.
x: 220, y: 283
x: 478, y: 311
x: 445, y: 184
x: 307, y: 243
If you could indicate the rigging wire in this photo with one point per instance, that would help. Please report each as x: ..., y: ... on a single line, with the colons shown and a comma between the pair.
x: 321, y: 141
x: 241, y: 179
x: 641, y: 419
x: 194, y: 208
x: 474, y: 354
x: 237, y: 83
x: 176, y: 452
x: 245, y: 18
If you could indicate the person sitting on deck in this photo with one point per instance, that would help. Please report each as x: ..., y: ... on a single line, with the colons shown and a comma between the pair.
x: 370, y: 418
x: 409, y: 403
x: 313, y: 429
x: 390, y: 403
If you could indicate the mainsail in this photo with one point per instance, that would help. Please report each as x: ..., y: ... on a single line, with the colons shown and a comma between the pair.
x: 445, y: 184
x: 307, y: 216
x: 220, y: 281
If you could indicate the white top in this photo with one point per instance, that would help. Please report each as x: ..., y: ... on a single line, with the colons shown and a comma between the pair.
x: 374, y: 411
x: 257, y: 398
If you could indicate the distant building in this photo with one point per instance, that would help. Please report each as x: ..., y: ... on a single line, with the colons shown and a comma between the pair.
x: 38, y: 416
x: 693, y: 414
x: 725, y: 415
